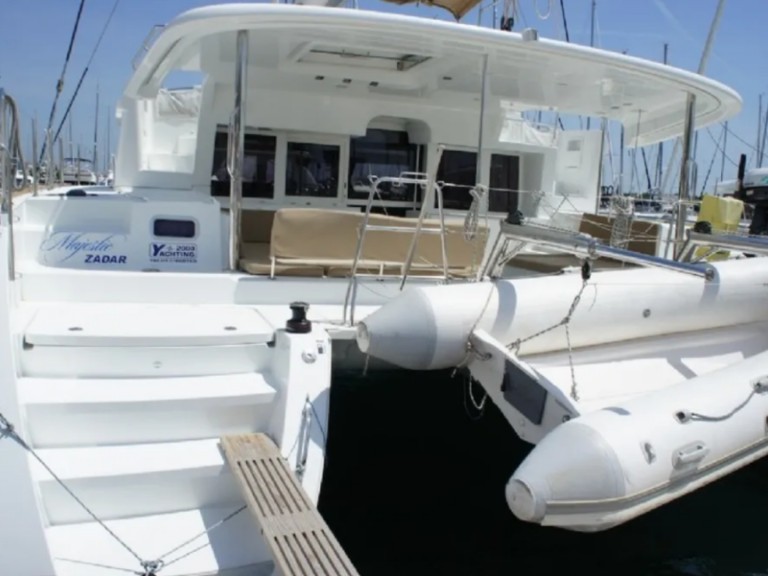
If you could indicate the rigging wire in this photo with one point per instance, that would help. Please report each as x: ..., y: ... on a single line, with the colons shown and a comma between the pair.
x: 752, y: 147
x: 712, y: 160
x: 565, y: 22
x: 720, y: 149
x: 85, y: 71
x: 60, y: 82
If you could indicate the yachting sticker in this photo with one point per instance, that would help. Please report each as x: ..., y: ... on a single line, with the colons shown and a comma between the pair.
x: 173, y: 252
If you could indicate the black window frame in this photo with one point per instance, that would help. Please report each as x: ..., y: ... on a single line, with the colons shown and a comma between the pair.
x: 261, y: 146
x: 385, y: 142
x: 297, y: 172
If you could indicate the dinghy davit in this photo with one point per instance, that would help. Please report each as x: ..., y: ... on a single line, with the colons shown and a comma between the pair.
x: 672, y: 374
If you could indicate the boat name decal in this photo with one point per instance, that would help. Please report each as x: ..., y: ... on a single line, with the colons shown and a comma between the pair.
x: 85, y: 247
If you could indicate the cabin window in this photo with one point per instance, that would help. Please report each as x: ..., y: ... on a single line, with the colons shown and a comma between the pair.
x: 458, y: 171
x: 504, y: 178
x: 312, y: 170
x: 382, y: 153
x: 258, y: 167
x: 171, y: 228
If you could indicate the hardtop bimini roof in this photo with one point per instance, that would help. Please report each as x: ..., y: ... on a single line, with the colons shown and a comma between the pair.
x: 412, y: 57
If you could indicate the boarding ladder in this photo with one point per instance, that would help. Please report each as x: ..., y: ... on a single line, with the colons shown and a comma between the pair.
x: 432, y: 189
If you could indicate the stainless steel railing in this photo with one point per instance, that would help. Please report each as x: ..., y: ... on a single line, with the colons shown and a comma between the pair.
x: 584, y: 245
x: 10, y: 146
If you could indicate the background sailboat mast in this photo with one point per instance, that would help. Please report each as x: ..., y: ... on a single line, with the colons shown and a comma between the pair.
x: 660, y: 155
x: 725, y: 144
x: 701, y: 69
x: 96, y: 133
x: 108, y: 159
x: 592, y: 36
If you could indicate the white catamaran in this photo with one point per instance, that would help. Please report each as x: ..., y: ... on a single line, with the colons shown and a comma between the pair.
x: 348, y: 165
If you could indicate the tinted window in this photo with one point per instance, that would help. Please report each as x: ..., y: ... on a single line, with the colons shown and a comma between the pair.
x: 258, y: 168
x: 458, y: 171
x: 312, y: 170
x: 166, y: 227
x: 382, y: 153
x: 504, y: 183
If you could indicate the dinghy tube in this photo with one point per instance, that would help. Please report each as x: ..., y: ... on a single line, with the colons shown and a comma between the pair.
x: 428, y: 328
x: 612, y: 465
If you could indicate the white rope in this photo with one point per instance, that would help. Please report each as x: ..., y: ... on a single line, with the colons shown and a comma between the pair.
x: 148, y: 567
x: 539, y: 14
x: 7, y: 430
x: 472, y: 219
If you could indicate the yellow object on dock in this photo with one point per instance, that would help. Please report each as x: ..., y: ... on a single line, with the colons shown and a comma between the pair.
x: 724, y: 215
x: 300, y: 540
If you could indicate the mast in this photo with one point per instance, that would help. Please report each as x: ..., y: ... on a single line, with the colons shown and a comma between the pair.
x: 687, y: 162
x: 759, y: 153
x: 35, y: 163
x: 107, y: 160
x: 660, y: 154
x: 71, y: 141
x: 592, y: 37
x: 96, y: 133
x: 60, y: 82
x: 762, y: 143
x: 702, y: 67
x: 725, y: 143
x: 620, y: 185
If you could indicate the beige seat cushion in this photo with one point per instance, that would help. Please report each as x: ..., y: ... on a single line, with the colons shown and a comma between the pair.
x: 254, y: 259
x: 256, y: 226
x: 329, y: 237
x: 256, y: 233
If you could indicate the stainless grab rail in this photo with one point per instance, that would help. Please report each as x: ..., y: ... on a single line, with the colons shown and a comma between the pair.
x: 585, y: 245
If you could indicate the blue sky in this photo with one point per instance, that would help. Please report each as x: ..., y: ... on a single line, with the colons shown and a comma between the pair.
x: 33, y: 47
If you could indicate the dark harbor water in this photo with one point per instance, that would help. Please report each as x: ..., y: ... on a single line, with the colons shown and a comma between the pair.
x: 414, y: 484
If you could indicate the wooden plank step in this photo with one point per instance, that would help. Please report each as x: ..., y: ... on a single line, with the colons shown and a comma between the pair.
x: 301, y: 542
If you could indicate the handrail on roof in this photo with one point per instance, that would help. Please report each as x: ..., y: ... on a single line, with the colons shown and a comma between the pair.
x: 149, y: 39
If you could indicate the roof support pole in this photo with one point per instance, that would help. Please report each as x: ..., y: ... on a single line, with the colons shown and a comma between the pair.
x: 236, y: 148
x: 686, y: 165
x: 480, y: 135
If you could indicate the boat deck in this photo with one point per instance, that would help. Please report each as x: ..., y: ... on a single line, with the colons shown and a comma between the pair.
x: 300, y: 540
